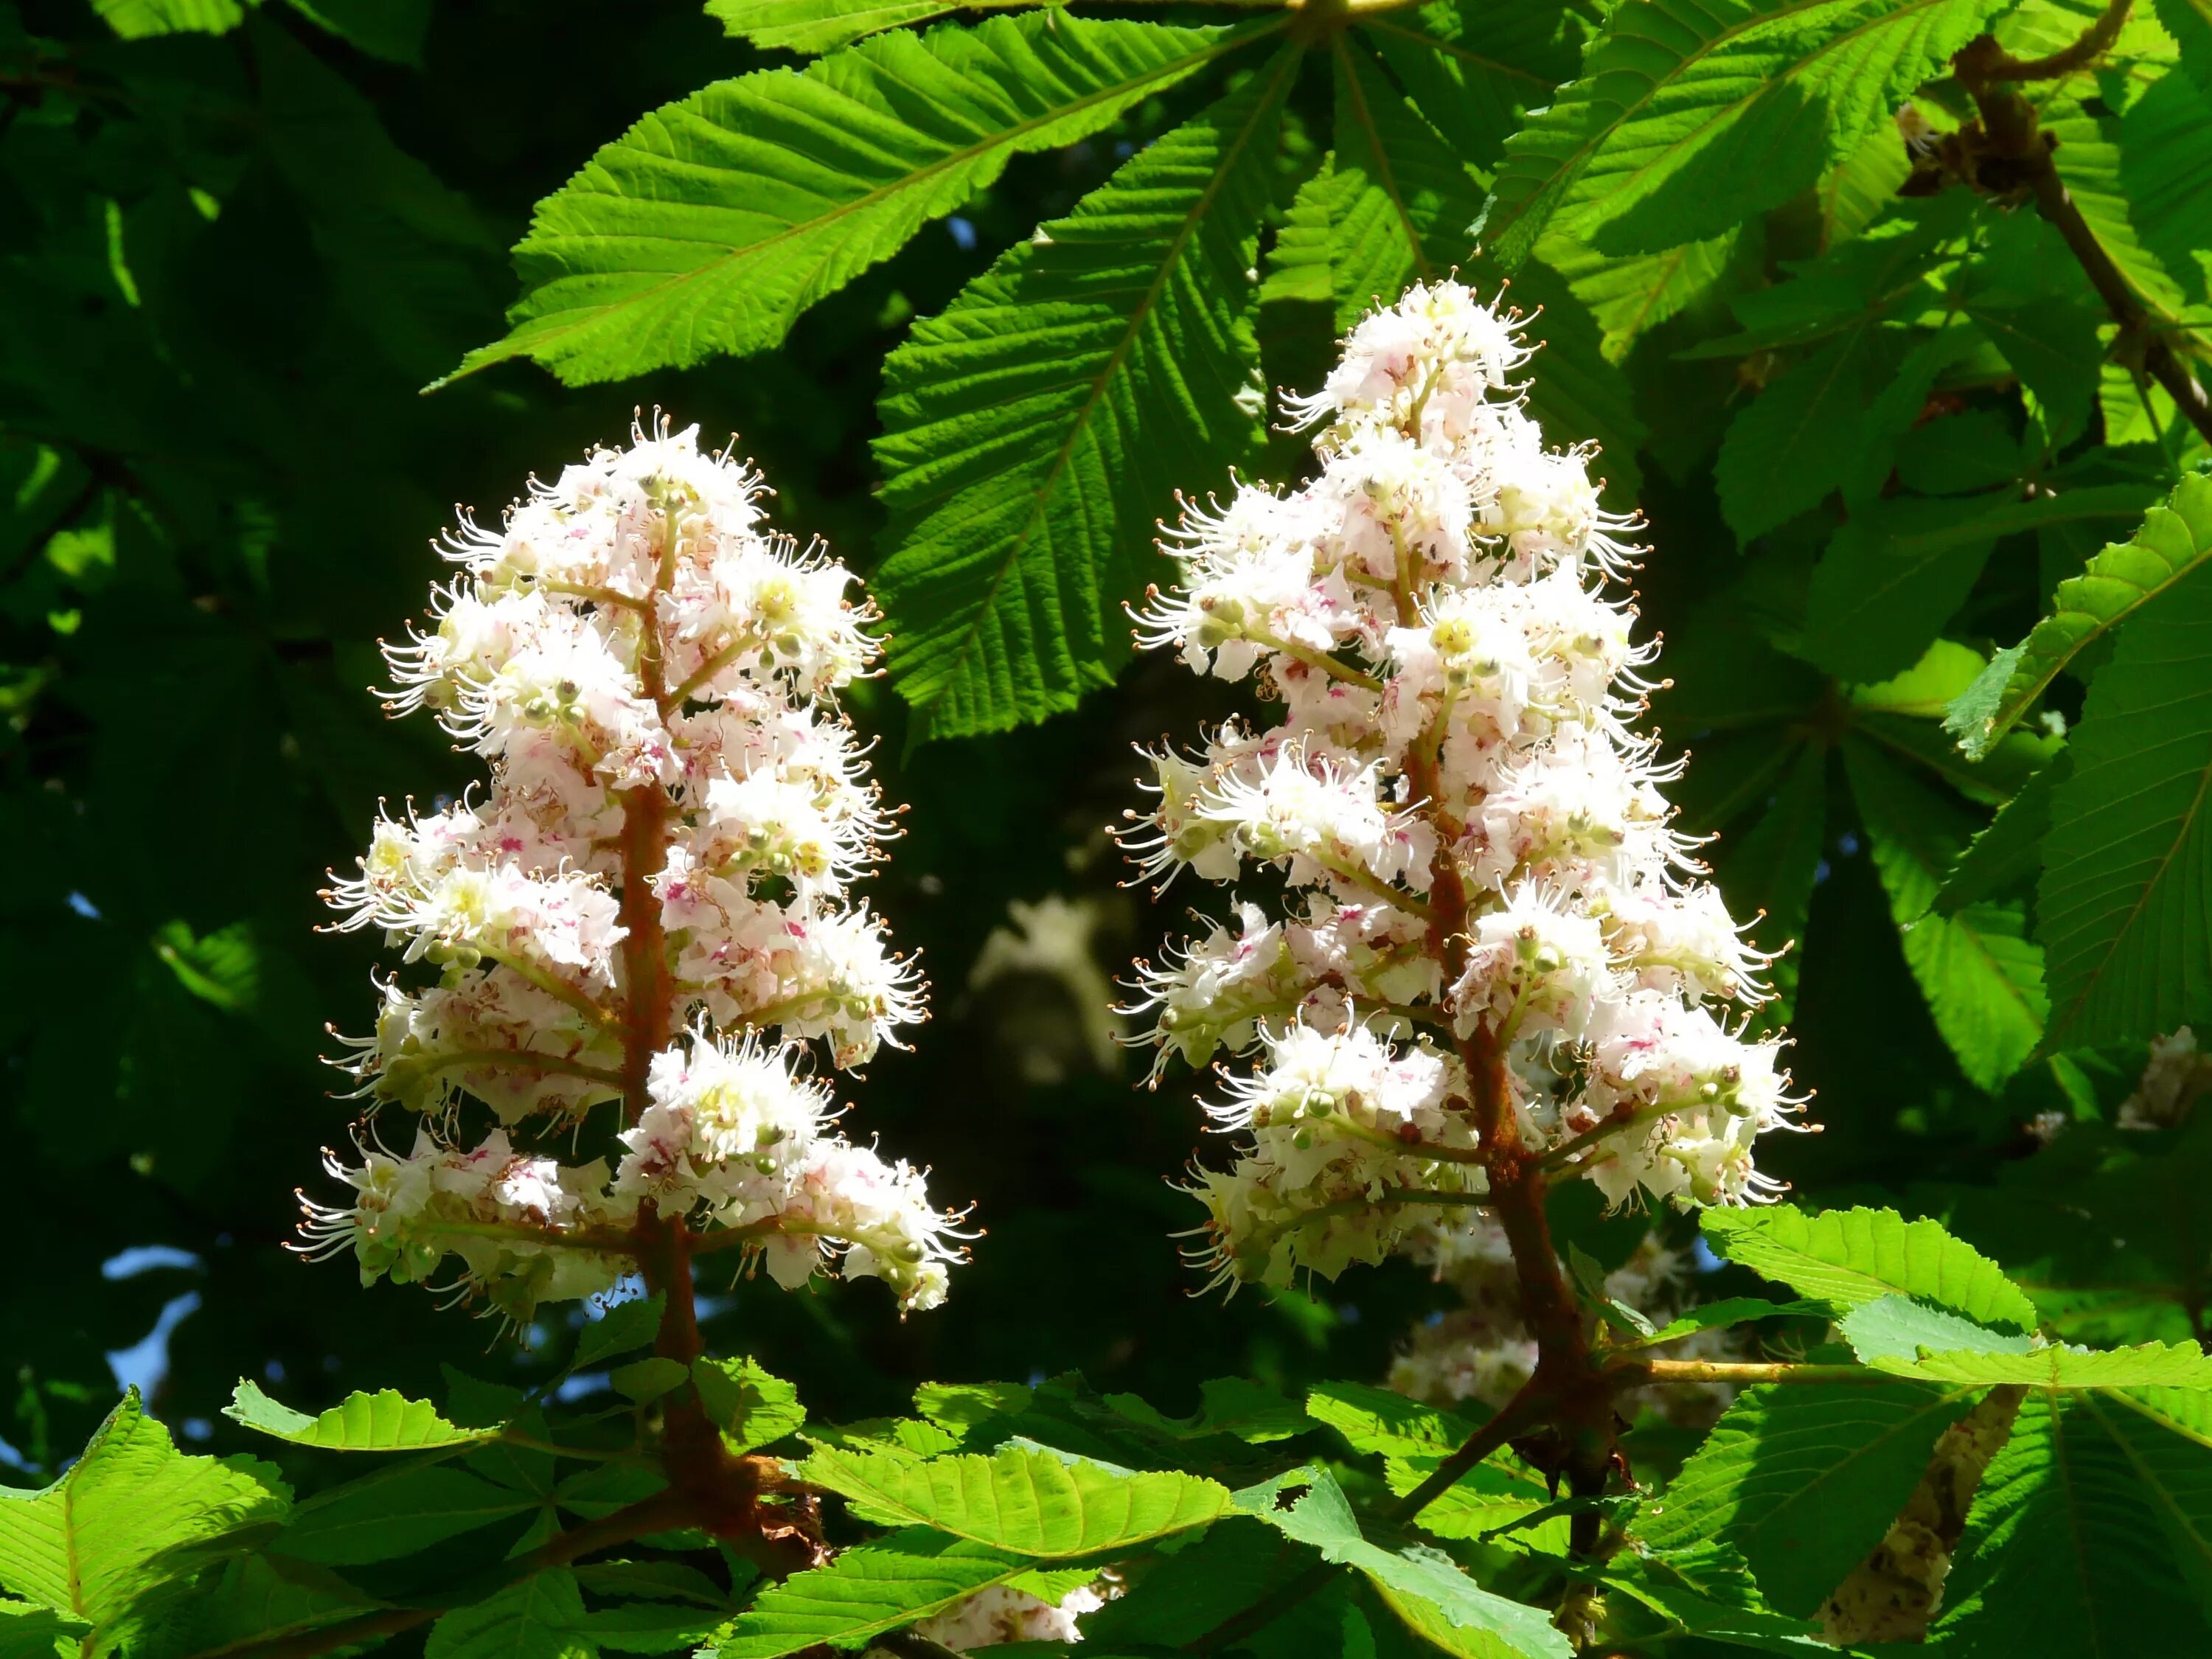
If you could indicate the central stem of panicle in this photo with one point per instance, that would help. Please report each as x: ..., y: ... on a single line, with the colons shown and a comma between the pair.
x: 1495, y: 954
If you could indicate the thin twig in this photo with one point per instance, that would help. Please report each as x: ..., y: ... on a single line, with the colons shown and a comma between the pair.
x: 2016, y: 136
x: 2096, y: 40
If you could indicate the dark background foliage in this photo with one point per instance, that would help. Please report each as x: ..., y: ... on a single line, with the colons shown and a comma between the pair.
x: 228, y: 265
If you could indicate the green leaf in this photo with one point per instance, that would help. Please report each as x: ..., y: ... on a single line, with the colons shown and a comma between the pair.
x: 136, y: 20
x: 1848, y: 1257
x: 1707, y: 1590
x: 1897, y: 1327
x: 656, y: 1580
x: 1250, y: 1411
x: 648, y: 1378
x: 1893, y: 577
x: 395, y: 1513
x: 645, y: 1627
x: 1425, y: 1587
x: 1029, y: 1500
x: 390, y: 29
x: 2173, y: 1462
x: 250, y: 1600
x: 2122, y: 910
x: 33, y: 1633
x: 2096, y: 181
x: 2175, y: 541
x: 384, y: 1421
x: 1416, y: 1439
x: 604, y: 1488
x: 709, y: 226
x: 2008, y: 854
x: 1780, y: 456
x: 1037, y: 429
x: 2064, y: 1552
x: 1732, y: 1310
x: 1373, y: 1419
x: 128, y: 1515
x: 961, y: 1407
x: 2190, y: 23
x: 751, y: 1407
x: 812, y: 25
x: 540, y: 1618
x: 1804, y: 1478
x: 2052, y: 345
x: 2060, y: 1368
x: 1322, y: 254
x: 1476, y: 67
x: 623, y: 1328
x: 1578, y: 395
x: 1689, y: 118
x: 222, y: 967
x: 1629, y: 295
x: 1427, y: 196
x: 868, y: 1589
x: 1982, y: 976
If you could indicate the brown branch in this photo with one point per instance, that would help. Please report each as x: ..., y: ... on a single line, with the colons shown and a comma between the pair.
x: 2096, y: 40
x: 1523, y: 1410
x: 2015, y: 135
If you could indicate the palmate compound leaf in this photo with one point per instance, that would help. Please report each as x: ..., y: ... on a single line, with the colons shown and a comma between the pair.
x: 2068, y: 1548
x: 710, y: 225
x: 128, y: 1516
x: 1849, y: 1257
x: 1982, y: 976
x: 2174, y: 542
x: 386, y: 1421
x: 1025, y: 1499
x: 1423, y: 1586
x: 872, y: 1587
x: 1035, y: 431
x: 1690, y: 117
x: 1804, y: 1478
x: 2125, y: 908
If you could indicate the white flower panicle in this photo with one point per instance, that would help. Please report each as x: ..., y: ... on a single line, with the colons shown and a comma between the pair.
x: 1481, y: 858
x: 676, y: 817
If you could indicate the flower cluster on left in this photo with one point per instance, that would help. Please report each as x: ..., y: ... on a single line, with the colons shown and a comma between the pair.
x: 643, y: 934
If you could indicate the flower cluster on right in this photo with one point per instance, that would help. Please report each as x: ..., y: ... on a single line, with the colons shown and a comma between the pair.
x: 1475, y: 855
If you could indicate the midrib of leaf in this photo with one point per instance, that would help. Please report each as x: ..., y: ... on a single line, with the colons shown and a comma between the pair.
x: 1727, y: 37
x: 2019, y: 698
x: 905, y: 182
x: 2062, y: 1470
x: 2157, y: 1487
x: 1452, y: 49
x: 1284, y: 65
x: 1388, y: 179
x: 1669, y: 264
x: 1847, y: 351
x: 2151, y: 1411
x: 1724, y: 113
x: 68, y: 1545
x: 2135, y: 910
